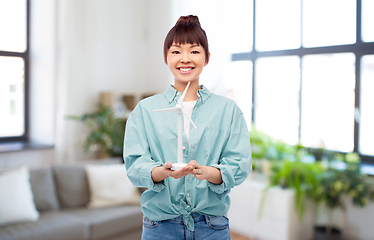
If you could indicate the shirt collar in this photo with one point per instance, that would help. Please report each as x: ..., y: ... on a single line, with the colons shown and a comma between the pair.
x: 171, y: 94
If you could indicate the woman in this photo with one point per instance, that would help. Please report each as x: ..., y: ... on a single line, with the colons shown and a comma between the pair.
x: 190, y: 203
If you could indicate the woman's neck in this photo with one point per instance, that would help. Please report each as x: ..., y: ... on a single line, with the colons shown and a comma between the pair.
x: 191, y: 94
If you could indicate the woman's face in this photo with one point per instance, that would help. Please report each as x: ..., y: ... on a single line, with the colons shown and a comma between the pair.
x: 186, y: 61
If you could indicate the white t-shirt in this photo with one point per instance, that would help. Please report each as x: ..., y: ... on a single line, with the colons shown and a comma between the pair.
x: 189, y: 107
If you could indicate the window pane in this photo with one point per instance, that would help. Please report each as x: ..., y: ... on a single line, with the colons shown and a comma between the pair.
x: 11, y: 97
x: 327, y: 23
x: 327, y: 116
x: 277, y: 25
x: 13, y: 25
x: 238, y: 25
x: 367, y: 20
x: 277, y: 97
x: 239, y: 87
x: 366, y: 136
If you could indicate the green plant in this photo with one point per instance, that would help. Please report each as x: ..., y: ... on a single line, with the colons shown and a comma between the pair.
x: 265, y: 147
x: 296, y: 175
x: 336, y: 182
x: 107, y: 131
x: 265, y: 150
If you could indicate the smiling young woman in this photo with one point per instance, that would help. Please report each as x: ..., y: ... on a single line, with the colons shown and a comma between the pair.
x: 192, y: 202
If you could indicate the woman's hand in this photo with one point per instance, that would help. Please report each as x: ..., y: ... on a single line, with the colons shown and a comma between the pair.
x: 198, y: 171
x: 177, y: 173
x: 160, y: 173
x: 211, y: 174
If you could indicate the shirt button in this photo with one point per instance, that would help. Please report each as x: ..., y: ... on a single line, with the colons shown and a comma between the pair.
x: 184, y: 147
x: 193, y: 146
x: 188, y: 194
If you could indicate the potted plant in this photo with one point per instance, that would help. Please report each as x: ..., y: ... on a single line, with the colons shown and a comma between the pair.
x: 335, y: 182
x: 265, y: 150
x: 296, y: 175
x: 106, y: 132
x: 294, y: 170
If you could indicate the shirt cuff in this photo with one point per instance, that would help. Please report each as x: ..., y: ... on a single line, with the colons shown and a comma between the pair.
x: 220, y: 188
x: 149, y: 183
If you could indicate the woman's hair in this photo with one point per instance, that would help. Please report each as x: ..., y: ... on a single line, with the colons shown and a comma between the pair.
x: 187, y: 30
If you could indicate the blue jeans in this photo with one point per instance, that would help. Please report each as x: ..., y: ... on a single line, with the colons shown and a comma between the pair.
x: 206, y: 228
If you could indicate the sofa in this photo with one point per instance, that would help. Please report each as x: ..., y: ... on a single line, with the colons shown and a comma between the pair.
x: 62, y: 205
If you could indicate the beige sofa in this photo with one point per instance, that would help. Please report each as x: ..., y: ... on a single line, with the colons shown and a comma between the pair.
x: 61, y: 194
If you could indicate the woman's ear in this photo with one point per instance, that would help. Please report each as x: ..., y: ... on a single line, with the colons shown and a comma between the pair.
x: 207, y: 60
x: 165, y: 60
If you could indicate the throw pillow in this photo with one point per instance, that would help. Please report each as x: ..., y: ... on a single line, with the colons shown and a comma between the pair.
x: 71, y: 185
x: 109, y: 186
x: 43, y: 189
x: 16, y: 199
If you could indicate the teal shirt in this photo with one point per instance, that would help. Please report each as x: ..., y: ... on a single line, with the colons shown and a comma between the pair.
x: 221, y: 140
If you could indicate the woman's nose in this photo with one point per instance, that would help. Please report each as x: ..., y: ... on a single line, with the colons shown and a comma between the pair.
x: 185, y: 58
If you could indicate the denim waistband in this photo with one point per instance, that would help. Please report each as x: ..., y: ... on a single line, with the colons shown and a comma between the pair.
x: 197, y: 217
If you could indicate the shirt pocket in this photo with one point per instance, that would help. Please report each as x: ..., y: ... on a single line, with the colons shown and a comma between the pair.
x: 214, y: 139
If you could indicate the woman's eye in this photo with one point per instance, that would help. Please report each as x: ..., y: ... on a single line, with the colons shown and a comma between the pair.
x: 195, y: 52
x: 175, y: 52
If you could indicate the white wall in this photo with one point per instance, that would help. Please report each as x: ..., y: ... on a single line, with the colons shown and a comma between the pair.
x: 105, y: 46
x: 80, y: 48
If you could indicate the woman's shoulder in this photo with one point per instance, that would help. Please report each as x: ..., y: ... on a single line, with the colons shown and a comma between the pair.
x: 216, y: 98
x: 226, y: 104
x: 149, y: 103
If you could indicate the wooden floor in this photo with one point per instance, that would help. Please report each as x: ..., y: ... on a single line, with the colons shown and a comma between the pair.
x: 235, y: 236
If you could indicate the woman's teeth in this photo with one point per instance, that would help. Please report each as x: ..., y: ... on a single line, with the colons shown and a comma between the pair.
x: 185, y: 69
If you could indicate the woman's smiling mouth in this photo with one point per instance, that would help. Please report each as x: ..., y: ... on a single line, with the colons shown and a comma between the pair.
x: 185, y: 69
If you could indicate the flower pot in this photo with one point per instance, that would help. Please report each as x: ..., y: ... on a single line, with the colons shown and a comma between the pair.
x: 320, y: 234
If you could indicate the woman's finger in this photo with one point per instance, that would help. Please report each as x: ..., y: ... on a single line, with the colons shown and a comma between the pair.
x: 197, y: 171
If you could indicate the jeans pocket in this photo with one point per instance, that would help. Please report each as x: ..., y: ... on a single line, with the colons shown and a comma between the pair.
x: 150, y: 224
x: 217, y: 223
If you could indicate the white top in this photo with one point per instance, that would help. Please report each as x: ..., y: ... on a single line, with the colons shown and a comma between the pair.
x: 189, y: 107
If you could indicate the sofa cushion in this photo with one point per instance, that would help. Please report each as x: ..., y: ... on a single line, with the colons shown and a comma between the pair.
x: 107, y: 222
x: 43, y: 188
x: 16, y: 200
x: 110, y: 186
x: 51, y: 225
x: 71, y: 185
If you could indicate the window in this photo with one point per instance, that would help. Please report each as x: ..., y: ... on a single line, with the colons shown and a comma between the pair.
x: 239, y: 87
x: 328, y: 101
x: 285, y: 26
x: 13, y: 69
x: 312, y: 73
x: 332, y: 24
x: 366, y: 136
x: 280, y: 115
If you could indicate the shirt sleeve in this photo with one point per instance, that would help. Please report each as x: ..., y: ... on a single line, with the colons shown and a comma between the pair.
x: 236, y: 159
x: 137, y: 157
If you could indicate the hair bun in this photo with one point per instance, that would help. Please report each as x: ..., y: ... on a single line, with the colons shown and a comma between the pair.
x: 189, y: 19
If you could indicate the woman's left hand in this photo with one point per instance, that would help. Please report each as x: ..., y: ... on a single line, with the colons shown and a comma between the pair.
x: 211, y: 174
x: 198, y: 170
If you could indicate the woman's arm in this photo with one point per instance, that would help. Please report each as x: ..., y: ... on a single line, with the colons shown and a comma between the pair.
x: 211, y: 174
x: 160, y: 173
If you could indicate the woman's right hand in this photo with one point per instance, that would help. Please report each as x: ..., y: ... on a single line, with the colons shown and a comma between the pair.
x: 160, y: 173
x: 177, y: 173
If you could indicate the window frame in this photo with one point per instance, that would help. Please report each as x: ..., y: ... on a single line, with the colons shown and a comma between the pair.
x: 359, y: 49
x: 25, y: 56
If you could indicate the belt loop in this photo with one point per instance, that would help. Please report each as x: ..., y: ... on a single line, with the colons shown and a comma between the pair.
x: 206, y: 219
